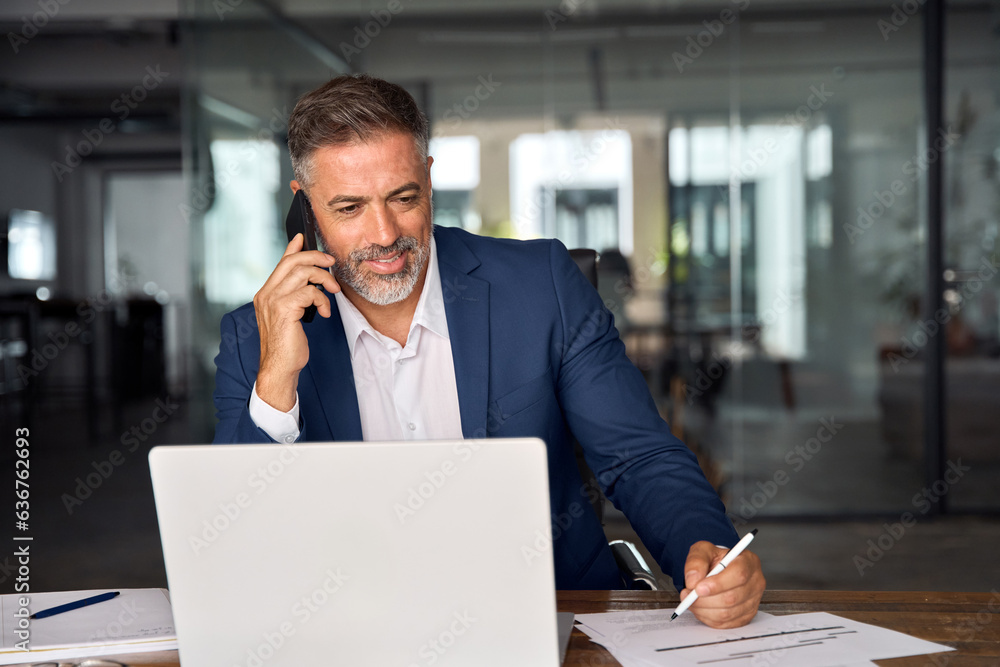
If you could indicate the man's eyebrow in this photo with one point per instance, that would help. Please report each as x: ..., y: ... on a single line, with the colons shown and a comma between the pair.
x: 360, y: 199
x: 354, y: 199
x: 412, y: 185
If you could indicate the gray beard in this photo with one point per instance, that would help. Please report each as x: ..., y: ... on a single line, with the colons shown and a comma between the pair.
x: 383, y: 290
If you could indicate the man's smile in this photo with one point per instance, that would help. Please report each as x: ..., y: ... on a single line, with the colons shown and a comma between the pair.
x: 390, y: 264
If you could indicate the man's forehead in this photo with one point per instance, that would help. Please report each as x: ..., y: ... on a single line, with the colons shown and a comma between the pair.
x: 395, y: 146
x: 382, y: 164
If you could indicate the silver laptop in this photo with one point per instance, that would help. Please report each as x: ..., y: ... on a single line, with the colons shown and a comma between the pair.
x: 409, y: 554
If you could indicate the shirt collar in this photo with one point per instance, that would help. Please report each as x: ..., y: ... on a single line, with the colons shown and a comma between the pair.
x: 429, y: 314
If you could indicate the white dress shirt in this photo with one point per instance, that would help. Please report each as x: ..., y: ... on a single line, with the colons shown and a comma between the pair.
x: 404, y: 392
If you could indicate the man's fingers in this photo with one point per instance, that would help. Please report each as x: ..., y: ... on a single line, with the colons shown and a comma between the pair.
x: 730, y: 599
x: 322, y: 302
x: 700, y: 560
x: 732, y: 616
x: 323, y: 277
x: 315, y: 277
x: 295, y: 245
x: 315, y: 257
x: 297, y: 268
x: 280, y: 305
x: 308, y: 258
x: 736, y: 574
x: 294, y: 287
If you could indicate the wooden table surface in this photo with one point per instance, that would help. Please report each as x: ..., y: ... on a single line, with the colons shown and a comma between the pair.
x: 969, y: 622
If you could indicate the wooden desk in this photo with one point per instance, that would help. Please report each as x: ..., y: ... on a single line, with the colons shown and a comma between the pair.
x: 962, y: 620
x: 968, y: 621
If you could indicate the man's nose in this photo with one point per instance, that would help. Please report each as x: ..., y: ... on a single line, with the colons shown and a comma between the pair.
x: 384, y: 230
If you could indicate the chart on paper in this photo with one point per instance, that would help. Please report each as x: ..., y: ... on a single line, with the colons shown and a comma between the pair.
x: 648, y: 638
x: 754, y: 648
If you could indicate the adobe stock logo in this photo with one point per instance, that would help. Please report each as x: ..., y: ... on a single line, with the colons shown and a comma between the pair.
x: 566, y: 9
x: 122, y: 107
x: 900, y: 16
x: 104, y: 468
x: 926, y: 330
x: 230, y: 511
x: 796, y: 458
x: 437, y: 646
x: 365, y: 33
x: 31, y: 25
x: 433, y: 481
x: 892, y: 533
x: 696, y: 44
x: 912, y: 169
x: 272, y: 641
x: 464, y: 109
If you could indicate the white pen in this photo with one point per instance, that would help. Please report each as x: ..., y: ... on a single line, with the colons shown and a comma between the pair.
x: 726, y: 560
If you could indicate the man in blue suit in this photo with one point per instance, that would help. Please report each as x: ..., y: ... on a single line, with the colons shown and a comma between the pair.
x: 436, y: 333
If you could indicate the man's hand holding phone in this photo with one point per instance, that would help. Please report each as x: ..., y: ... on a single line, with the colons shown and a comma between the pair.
x: 280, y: 305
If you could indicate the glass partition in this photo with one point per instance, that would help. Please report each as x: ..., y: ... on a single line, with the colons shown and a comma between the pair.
x: 753, y: 179
x: 247, y: 65
x: 971, y: 324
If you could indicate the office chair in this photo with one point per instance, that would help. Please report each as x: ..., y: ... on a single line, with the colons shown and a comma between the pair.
x: 635, y: 571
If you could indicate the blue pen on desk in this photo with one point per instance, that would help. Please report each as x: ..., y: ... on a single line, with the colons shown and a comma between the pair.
x: 70, y: 606
x: 726, y: 560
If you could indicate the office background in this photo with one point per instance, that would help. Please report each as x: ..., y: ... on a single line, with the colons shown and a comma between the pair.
x: 762, y: 178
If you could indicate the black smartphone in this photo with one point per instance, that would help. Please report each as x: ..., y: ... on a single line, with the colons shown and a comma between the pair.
x: 300, y: 220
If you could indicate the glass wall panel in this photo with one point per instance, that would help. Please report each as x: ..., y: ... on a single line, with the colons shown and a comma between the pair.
x: 755, y: 190
x: 562, y: 193
x: 759, y: 184
x: 970, y: 147
x: 782, y: 346
x: 248, y: 64
x: 455, y: 180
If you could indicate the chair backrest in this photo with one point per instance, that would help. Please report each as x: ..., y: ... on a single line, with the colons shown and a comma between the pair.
x: 587, y: 259
x: 635, y: 572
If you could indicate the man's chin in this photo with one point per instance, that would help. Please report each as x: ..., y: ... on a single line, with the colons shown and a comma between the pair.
x: 386, y: 298
x: 384, y: 289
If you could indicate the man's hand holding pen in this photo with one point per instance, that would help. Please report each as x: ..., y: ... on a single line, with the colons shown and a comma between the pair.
x: 730, y: 598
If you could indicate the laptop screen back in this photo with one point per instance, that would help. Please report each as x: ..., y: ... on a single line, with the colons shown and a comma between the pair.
x: 410, y: 553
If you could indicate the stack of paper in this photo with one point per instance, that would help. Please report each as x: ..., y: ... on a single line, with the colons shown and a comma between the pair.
x: 650, y: 639
x: 137, y: 621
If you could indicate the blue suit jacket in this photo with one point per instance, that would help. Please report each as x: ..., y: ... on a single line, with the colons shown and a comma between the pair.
x: 536, y: 354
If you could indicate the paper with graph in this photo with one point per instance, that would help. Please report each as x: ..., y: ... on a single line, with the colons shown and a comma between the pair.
x: 648, y: 638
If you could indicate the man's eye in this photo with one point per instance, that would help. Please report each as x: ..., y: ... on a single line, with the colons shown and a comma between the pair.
x: 353, y: 208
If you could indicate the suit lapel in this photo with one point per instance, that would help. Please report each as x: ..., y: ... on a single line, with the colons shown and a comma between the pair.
x: 332, y: 375
x: 467, y: 309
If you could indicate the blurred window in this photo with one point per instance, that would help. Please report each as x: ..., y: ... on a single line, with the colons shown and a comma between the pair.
x: 240, y: 234
x: 574, y: 185
x: 455, y: 177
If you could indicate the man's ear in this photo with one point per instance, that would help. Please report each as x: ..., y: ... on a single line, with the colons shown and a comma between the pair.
x: 294, y: 185
x: 430, y: 161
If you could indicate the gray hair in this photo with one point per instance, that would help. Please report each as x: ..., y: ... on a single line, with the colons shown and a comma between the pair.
x: 347, y: 109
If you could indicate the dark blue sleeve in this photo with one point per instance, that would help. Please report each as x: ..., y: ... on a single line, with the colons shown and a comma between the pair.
x: 640, y: 465
x: 236, y: 368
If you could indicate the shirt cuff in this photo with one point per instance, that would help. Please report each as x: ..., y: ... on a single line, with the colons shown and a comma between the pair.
x: 281, y: 426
